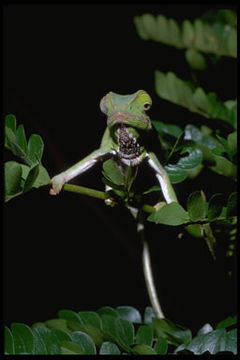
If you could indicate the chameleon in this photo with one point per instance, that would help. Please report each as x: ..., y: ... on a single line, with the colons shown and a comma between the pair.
x: 126, y: 120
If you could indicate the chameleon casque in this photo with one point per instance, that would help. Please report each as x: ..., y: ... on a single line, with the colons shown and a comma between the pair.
x: 126, y: 119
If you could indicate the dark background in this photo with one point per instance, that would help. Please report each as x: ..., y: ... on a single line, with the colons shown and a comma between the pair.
x: 72, y: 251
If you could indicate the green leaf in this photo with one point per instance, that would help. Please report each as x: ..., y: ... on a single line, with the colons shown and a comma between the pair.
x: 170, y: 87
x: 148, y: 315
x: 23, y: 338
x: 91, y: 317
x: 39, y: 346
x: 12, y: 178
x: 42, y: 179
x: 192, y: 133
x: 85, y: 342
x: 232, y: 143
x: 45, y: 342
x: 231, y: 341
x: 195, y: 230
x: 173, y: 89
x: 60, y: 324
x: 21, y: 138
x: 143, y: 350
x: 124, y: 331
x: 213, y: 342
x: 196, y: 206
x: 15, y: 148
x: 202, y: 36
x: 219, y: 150
x: 168, y: 129
x: 109, y: 348
x: 129, y: 313
x: 175, y: 147
x: 222, y: 141
x: 170, y: 214
x: 215, y: 206
x: 232, y: 205
x: 231, y: 105
x: 112, y: 172
x: 31, y: 177
x: 10, y: 122
x: 229, y: 321
x: 96, y: 334
x: 107, y: 310
x: 224, y: 167
x: 69, y: 348
x: 118, y: 330
x: 176, y: 174
x: 205, y: 329
x: 35, y: 148
x: 144, y: 335
x: 193, y: 159
x: 60, y: 336
x: 108, y: 325
x: 195, y: 59
x: 161, y: 346
x: 70, y: 315
x: 173, y: 333
x: 179, y: 172
x: 9, y: 343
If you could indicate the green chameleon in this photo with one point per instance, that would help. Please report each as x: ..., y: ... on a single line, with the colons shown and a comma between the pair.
x: 126, y: 120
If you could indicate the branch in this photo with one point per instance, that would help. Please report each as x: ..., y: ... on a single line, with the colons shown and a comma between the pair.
x: 86, y: 191
x: 145, y: 207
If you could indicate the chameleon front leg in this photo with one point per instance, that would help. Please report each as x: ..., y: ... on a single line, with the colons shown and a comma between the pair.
x: 59, y: 180
x: 163, y: 178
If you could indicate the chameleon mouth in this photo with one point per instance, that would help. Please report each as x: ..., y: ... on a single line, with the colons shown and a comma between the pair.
x: 124, y: 118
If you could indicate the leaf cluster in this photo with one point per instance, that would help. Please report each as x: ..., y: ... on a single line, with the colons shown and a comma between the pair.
x: 217, y: 36
x: 198, y: 210
x: 21, y: 177
x: 214, y: 32
x: 204, y: 148
x: 118, y: 181
x: 170, y: 87
x: 119, y: 331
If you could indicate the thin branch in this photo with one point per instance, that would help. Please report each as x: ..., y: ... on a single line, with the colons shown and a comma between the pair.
x: 86, y: 191
x: 146, y: 207
x: 149, y: 279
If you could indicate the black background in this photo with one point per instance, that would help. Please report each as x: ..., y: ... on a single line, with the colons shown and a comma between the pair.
x: 72, y: 251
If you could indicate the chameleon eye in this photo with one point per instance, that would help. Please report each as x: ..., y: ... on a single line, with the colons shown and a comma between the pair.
x: 146, y: 106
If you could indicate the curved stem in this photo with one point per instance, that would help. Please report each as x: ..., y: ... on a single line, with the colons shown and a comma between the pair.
x: 146, y: 259
x: 146, y: 262
x: 147, y: 269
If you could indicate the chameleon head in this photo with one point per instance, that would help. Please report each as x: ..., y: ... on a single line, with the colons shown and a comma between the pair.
x: 127, y: 109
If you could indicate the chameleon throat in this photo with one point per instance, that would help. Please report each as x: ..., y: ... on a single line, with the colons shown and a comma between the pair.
x: 128, y: 146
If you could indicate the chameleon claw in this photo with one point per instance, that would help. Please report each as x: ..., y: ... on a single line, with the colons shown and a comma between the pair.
x: 56, y: 186
x: 110, y: 202
x: 159, y: 205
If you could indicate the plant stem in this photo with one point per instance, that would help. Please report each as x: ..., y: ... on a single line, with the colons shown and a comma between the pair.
x: 146, y: 260
x: 147, y: 208
x: 148, y: 275
x: 86, y: 191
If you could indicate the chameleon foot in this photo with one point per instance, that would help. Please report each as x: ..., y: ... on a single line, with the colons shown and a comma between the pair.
x: 56, y: 185
x: 159, y: 205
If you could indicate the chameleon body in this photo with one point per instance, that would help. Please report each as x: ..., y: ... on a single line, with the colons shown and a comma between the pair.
x: 126, y: 119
